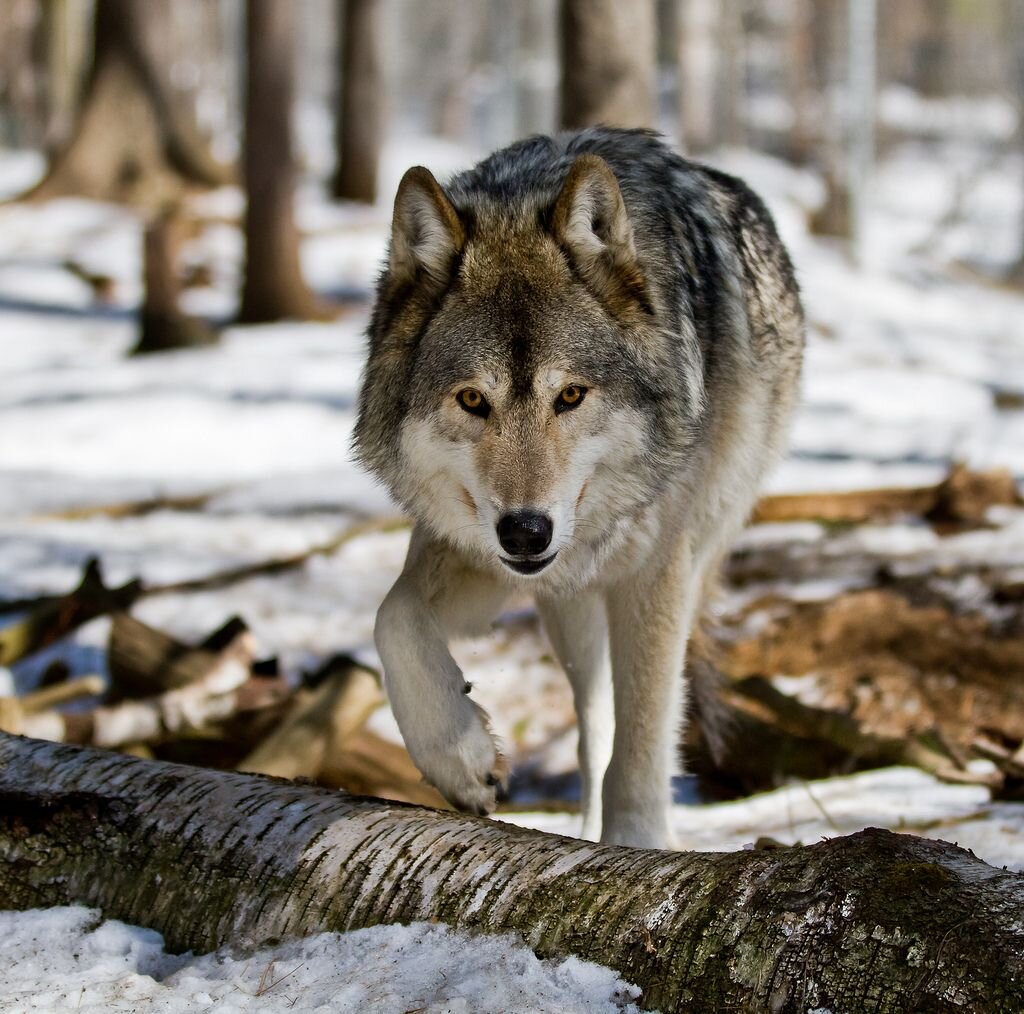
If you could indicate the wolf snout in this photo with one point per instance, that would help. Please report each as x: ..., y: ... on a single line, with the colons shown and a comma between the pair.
x: 524, y: 533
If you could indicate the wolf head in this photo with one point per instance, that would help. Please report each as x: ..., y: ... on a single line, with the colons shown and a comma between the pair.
x: 519, y: 369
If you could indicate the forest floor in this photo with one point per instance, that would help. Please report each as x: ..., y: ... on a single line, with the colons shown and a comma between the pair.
x: 915, y: 362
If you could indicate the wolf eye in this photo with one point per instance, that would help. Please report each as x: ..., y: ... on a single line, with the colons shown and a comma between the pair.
x: 570, y: 397
x: 473, y: 402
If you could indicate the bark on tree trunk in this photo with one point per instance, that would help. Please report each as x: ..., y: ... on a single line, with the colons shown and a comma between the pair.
x: 873, y: 921
x: 607, y: 57
x: 834, y: 217
x: 162, y: 324
x: 132, y: 143
x: 360, y: 104
x: 696, y: 62
x: 273, y: 288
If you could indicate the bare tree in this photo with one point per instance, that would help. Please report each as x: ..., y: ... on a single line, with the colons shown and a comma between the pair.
x: 828, y: 28
x: 874, y: 920
x: 359, y: 107
x: 133, y: 141
x: 608, y: 62
x: 162, y: 324
x: 273, y: 288
x: 800, y: 81
x: 696, y: 28
x: 1015, y: 30
x: 60, y: 43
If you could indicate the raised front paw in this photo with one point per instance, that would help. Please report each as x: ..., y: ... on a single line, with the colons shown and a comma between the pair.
x: 465, y: 765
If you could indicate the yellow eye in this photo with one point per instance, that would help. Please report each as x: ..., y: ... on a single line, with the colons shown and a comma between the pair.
x: 570, y: 397
x: 473, y: 402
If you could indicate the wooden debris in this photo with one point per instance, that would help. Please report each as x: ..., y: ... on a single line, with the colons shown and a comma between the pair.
x: 184, y: 711
x: 144, y: 661
x: 368, y: 765
x: 133, y: 508
x: 92, y: 685
x: 963, y: 497
x: 866, y: 679
x: 319, y: 722
x: 55, y: 618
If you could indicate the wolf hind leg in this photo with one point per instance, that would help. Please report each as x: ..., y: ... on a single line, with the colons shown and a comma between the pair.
x: 649, y: 619
x: 578, y: 630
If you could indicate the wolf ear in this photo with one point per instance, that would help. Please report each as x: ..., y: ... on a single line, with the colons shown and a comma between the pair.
x: 426, y: 233
x: 592, y: 225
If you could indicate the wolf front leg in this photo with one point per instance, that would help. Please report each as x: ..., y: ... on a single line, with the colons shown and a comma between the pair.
x: 649, y: 619
x: 578, y: 631
x: 447, y: 735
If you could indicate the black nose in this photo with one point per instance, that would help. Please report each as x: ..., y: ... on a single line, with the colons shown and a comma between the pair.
x: 524, y: 533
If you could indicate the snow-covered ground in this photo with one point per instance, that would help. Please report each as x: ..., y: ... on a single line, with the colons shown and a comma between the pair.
x: 70, y: 959
x: 913, y: 363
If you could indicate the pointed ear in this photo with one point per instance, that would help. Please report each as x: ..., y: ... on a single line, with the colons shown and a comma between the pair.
x: 592, y: 225
x: 426, y: 232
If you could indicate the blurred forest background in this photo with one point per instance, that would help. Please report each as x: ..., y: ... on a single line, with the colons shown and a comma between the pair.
x: 190, y: 561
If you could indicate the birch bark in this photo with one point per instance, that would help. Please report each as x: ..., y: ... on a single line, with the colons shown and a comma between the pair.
x: 871, y: 922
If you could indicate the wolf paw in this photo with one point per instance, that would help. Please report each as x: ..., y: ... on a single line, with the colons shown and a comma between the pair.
x: 468, y: 770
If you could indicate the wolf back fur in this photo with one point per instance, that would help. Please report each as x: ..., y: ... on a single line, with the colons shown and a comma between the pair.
x: 603, y: 261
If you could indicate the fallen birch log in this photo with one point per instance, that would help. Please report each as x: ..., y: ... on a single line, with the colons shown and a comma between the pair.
x: 872, y: 921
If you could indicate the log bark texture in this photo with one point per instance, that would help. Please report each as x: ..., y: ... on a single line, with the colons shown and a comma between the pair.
x: 870, y: 922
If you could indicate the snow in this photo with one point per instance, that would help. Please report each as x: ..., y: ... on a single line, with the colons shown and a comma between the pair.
x: 71, y: 959
x: 900, y: 798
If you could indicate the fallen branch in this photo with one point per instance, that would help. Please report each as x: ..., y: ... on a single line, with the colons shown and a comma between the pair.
x: 55, y: 618
x: 211, y: 858
x: 132, y: 508
x: 962, y: 497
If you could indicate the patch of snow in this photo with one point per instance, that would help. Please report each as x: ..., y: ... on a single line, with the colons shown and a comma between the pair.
x: 70, y: 959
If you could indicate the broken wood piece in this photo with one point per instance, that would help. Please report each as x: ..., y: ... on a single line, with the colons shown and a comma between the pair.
x: 57, y: 617
x: 319, y: 721
x: 56, y: 694
x: 145, y: 662
x: 367, y: 765
x: 194, y: 710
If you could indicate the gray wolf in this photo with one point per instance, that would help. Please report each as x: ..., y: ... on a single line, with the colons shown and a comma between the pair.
x: 582, y: 358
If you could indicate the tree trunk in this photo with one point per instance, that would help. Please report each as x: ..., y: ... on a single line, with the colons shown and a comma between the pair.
x: 359, y: 107
x: 607, y: 57
x: 731, y: 92
x: 1015, y: 30
x: 162, y: 325
x: 873, y: 921
x: 696, y: 27
x: 933, y: 52
x: 834, y: 217
x: 273, y: 288
x: 800, y: 83
x: 133, y: 143
x: 59, y: 40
